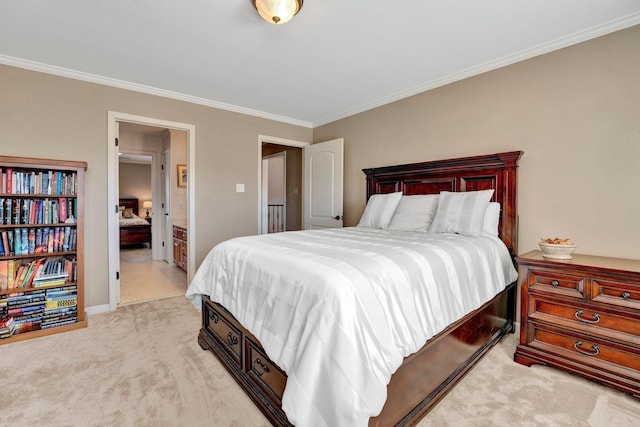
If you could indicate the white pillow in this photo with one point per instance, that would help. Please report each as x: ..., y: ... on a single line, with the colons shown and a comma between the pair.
x: 491, y: 219
x: 414, y: 213
x: 461, y: 212
x: 379, y: 210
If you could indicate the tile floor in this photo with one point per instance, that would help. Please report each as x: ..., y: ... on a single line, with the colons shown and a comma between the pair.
x: 142, y: 279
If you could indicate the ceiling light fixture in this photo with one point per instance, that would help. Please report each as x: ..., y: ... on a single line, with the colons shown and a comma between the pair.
x: 277, y: 11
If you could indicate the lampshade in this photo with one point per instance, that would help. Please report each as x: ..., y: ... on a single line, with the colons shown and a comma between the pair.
x: 277, y: 11
x: 147, y: 204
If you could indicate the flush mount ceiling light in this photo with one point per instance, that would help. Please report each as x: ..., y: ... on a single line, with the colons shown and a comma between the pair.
x: 277, y: 11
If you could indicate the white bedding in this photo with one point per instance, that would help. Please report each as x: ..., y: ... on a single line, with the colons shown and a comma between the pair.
x: 136, y: 220
x: 339, y: 309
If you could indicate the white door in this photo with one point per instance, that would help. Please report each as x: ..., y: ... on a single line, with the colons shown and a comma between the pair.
x: 323, y: 182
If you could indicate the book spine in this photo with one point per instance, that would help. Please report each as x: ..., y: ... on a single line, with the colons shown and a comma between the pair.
x: 10, y: 186
x: 62, y: 202
x: 4, y: 277
x: 17, y: 242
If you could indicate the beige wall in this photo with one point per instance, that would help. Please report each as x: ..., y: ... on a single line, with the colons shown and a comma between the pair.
x: 576, y: 115
x: 178, y: 156
x: 48, y: 116
x: 135, y: 181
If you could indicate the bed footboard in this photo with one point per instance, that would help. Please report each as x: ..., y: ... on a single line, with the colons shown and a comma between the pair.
x: 424, y: 378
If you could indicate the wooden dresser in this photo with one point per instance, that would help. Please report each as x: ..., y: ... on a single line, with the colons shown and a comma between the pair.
x: 582, y: 316
x: 180, y: 246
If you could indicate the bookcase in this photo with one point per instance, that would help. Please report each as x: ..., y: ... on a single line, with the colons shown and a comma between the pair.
x: 41, y: 247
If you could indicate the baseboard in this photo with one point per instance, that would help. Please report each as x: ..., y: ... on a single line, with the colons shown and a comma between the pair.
x: 96, y: 309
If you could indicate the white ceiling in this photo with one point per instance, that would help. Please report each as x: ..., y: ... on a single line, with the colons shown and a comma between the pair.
x: 334, y: 59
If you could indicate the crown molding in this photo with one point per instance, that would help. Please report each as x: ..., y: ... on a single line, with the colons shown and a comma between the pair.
x: 149, y: 90
x: 575, y: 38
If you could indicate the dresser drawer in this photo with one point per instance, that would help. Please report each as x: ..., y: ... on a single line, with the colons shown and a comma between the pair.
x: 625, y: 294
x: 611, y: 324
x: 224, y: 329
x: 583, y: 349
x: 556, y: 283
x: 265, y: 374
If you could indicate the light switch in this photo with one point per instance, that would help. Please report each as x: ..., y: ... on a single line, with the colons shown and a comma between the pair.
x: 239, y: 188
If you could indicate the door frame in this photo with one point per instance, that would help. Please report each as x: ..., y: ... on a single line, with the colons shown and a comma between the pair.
x: 113, y: 119
x: 278, y: 141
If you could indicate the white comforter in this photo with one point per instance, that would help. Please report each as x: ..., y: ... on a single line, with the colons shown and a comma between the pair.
x: 339, y: 309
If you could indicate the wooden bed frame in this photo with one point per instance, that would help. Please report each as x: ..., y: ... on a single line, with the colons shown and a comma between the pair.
x: 134, y: 234
x: 426, y: 376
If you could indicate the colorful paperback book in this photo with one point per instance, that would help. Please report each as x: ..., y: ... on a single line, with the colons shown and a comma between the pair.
x: 24, y: 241
x: 17, y: 242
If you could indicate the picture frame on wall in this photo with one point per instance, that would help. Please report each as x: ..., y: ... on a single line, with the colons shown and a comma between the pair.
x: 182, y: 175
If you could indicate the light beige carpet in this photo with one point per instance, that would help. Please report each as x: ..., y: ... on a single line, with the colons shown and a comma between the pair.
x: 142, y: 366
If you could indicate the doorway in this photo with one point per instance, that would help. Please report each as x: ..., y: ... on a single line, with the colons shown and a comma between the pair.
x: 145, y: 271
x: 280, y: 174
x: 120, y: 128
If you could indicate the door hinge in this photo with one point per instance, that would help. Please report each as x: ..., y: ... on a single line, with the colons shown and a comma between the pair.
x: 163, y: 244
x: 116, y: 209
x: 162, y: 167
x: 116, y: 142
x: 117, y: 275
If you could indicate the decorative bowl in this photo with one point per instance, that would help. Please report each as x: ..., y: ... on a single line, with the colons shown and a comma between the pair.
x: 557, y: 251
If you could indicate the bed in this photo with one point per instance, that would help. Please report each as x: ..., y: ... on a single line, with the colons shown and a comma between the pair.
x: 134, y: 230
x: 416, y: 381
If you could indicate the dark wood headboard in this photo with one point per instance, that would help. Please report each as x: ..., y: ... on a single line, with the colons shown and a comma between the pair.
x: 129, y: 203
x: 493, y: 171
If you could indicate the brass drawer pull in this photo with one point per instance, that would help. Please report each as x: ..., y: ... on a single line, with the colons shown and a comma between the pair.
x: 232, y: 339
x: 214, y: 317
x: 264, y: 367
x: 579, y: 315
x: 555, y: 283
x: 578, y: 347
x: 626, y: 295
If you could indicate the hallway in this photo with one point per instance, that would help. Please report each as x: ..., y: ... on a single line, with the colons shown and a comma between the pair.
x: 142, y: 279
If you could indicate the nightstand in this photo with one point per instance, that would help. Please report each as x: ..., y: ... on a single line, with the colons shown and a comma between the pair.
x: 148, y: 219
x: 582, y: 316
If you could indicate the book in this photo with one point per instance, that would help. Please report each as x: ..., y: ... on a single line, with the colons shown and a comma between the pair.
x: 67, y: 235
x: 6, y: 321
x: 31, y: 241
x: 50, y: 236
x: 16, y: 212
x: 2, y: 210
x: 8, y: 242
x: 61, y: 239
x: 56, y: 238
x: 9, y: 181
x: 4, y: 277
x: 24, y: 215
x: 17, y: 242
x: 39, y: 247
x: 12, y: 271
x: 24, y: 235
x: 7, y: 211
x: 62, y: 202
x: 8, y: 270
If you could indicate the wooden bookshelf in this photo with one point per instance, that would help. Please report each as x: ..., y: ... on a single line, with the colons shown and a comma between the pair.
x: 37, y: 199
